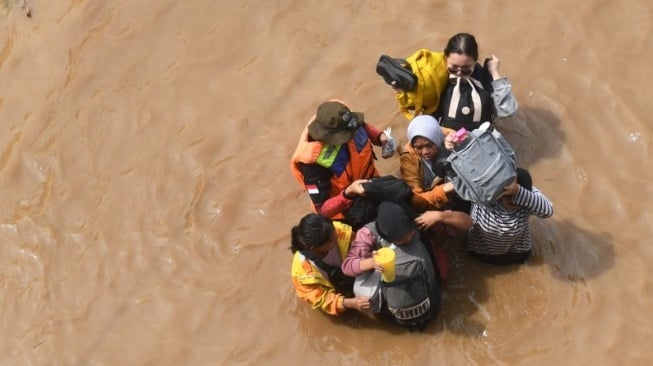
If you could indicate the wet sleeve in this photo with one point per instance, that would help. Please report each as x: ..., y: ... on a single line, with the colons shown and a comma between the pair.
x: 422, y: 200
x: 534, y: 201
x: 374, y: 133
x: 317, y: 182
x: 360, y: 248
x: 435, y: 199
x: 320, y: 297
x: 504, y: 100
x: 409, y: 170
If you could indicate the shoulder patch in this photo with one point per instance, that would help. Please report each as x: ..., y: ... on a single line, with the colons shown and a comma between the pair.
x: 312, y: 189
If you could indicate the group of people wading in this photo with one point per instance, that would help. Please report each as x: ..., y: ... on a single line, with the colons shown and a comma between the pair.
x: 446, y: 96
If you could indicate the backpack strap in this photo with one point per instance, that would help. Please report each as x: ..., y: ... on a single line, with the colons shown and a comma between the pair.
x: 476, y: 98
x: 340, y: 281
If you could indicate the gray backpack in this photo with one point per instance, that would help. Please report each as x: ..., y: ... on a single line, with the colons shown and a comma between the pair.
x: 413, y: 298
x: 484, y: 164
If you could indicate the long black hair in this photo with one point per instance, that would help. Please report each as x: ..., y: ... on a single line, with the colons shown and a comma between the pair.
x: 312, y: 232
x: 463, y: 44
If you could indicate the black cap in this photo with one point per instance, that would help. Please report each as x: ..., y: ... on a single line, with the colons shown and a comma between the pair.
x: 392, y: 222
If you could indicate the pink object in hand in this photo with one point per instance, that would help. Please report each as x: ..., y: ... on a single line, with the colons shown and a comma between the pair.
x: 460, y: 135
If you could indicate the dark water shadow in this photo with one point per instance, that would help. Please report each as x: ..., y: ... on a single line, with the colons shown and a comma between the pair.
x: 354, y: 319
x: 534, y: 134
x: 466, y: 291
x: 572, y: 253
x: 311, y: 319
x: 463, y: 293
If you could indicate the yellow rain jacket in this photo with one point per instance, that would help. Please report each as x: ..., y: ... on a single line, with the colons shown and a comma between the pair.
x: 311, y: 286
x: 431, y: 70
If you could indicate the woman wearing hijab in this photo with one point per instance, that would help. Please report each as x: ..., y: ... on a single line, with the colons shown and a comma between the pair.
x: 421, y: 164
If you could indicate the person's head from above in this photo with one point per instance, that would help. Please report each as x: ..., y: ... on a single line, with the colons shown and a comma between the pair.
x: 315, y: 234
x: 461, y: 54
x: 393, y: 224
x: 425, y: 136
x: 334, y: 123
x: 522, y: 178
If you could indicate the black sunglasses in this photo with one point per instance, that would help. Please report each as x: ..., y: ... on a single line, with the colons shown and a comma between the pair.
x: 464, y: 70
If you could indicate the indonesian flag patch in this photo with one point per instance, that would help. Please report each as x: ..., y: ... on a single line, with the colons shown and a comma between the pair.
x: 312, y: 189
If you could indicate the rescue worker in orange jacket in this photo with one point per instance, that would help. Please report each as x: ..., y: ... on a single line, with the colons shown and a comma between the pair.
x: 319, y: 246
x: 334, y: 157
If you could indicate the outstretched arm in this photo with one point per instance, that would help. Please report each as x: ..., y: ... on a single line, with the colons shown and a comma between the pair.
x: 317, y: 182
x: 327, y: 299
x: 534, y: 201
x: 504, y: 100
x: 319, y: 296
x: 359, y: 258
x: 377, y: 136
x: 456, y: 219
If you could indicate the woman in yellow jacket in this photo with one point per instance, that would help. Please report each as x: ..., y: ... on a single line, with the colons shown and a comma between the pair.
x: 319, y: 246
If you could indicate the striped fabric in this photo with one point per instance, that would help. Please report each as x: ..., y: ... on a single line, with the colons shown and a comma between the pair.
x: 497, y: 230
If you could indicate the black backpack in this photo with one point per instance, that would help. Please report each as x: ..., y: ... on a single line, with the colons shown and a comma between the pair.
x: 377, y: 190
x: 413, y: 298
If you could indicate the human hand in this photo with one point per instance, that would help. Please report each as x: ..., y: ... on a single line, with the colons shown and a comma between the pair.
x: 374, y: 264
x: 493, y: 67
x: 369, y: 264
x: 388, y: 143
x: 428, y: 219
x: 383, y: 138
x: 360, y: 303
x: 449, y: 142
x: 448, y: 187
x: 395, y: 88
x: 510, y: 190
x: 356, y: 188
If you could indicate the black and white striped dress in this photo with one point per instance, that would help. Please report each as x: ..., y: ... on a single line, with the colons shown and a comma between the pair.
x: 497, y: 230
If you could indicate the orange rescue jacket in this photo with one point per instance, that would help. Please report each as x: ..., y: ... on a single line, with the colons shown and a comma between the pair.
x: 360, y: 164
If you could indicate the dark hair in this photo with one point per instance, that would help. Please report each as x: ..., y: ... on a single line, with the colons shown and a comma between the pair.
x: 312, y: 232
x: 464, y: 44
x: 524, y: 179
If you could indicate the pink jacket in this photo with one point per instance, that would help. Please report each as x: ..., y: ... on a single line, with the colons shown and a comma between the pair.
x: 361, y: 248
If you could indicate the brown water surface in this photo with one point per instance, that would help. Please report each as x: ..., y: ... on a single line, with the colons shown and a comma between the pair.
x: 146, y: 197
